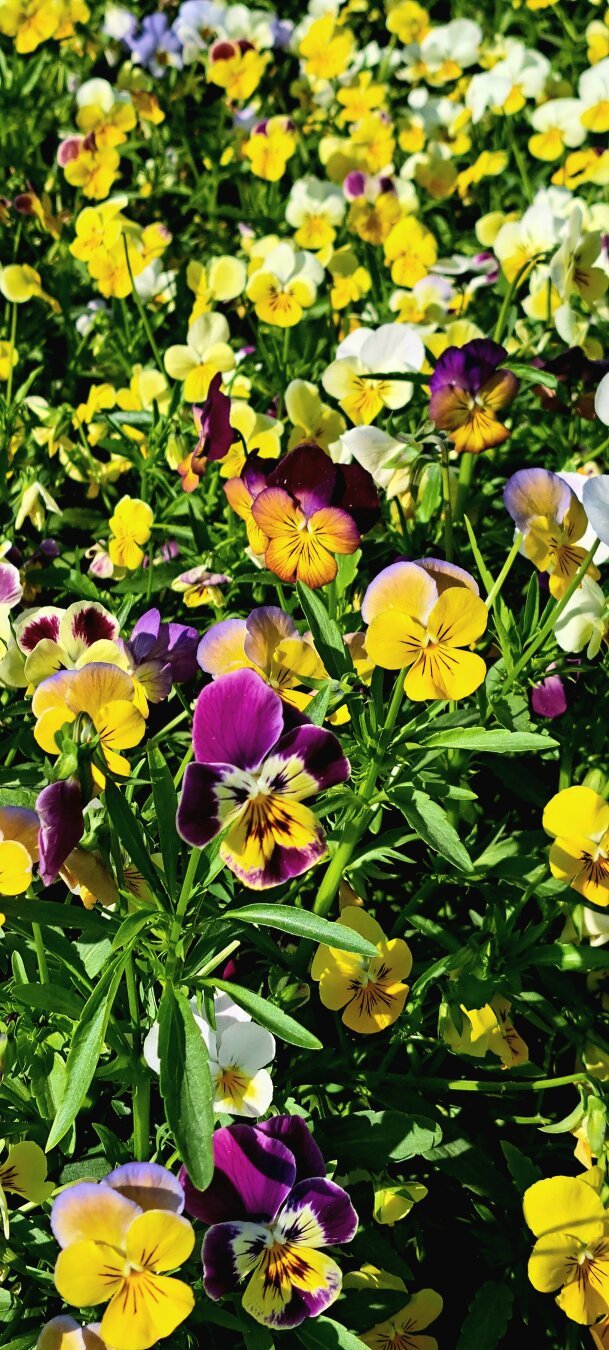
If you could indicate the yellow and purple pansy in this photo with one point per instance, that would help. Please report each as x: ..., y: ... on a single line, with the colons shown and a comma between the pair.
x: 272, y: 1210
x: 422, y: 615
x: 51, y: 639
x: 159, y: 655
x: 553, y: 522
x: 267, y: 641
x: 256, y: 760
x: 119, y: 1237
x: 469, y: 387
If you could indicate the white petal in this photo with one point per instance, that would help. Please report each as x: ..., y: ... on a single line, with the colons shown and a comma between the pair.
x: 150, y: 1049
x: 601, y: 401
x: 246, y: 1045
x: 596, y: 505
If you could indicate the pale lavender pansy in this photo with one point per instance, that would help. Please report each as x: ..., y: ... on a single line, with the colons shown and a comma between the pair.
x: 238, y: 1051
x: 272, y: 1211
x: 256, y: 760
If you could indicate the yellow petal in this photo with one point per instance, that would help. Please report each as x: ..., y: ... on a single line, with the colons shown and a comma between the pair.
x: 394, y: 640
x: 15, y: 868
x: 159, y: 1240
x: 563, y: 1205
x: 576, y: 811
x: 458, y: 618
x: 147, y: 1309
x: 88, y: 1273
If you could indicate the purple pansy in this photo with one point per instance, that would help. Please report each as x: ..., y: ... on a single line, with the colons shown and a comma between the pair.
x: 468, y: 388
x: 256, y: 760
x: 161, y: 654
x: 549, y: 697
x: 154, y: 45
x: 212, y: 421
x: 272, y: 1210
x: 62, y: 825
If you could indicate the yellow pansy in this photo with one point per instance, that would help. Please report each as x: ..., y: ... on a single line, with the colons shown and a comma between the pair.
x: 30, y: 22
x: 8, y: 359
x: 312, y: 420
x: 130, y: 526
x: 326, y: 48
x: 205, y: 354
x: 360, y: 98
x: 101, y: 696
x: 98, y: 228
x: 285, y: 286
x: 260, y: 435
x: 487, y: 1029
x: 105, y: 111
x: 578, y: 818
x: 92, y: 169
x: 221, y: 279
x: 24, y: 1173
x: 113, y: 268
x: 401, y: 1332
x: 489, y: 164
x: 373, y: 221
x: 350, y: 281
x: 571, y: 1253
x: 394, y: 1202
x: 20, y: 283
x: 235, y: 70
x: 410, y: 251
x: 408, y: 20
x: 371, y: 992
x: 269, y: 147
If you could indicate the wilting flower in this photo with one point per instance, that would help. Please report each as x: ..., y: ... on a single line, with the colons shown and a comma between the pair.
x: 486, y: 1029
x: 62, y: 825
x: 422, y: 615
x: 552, y: 520
x: 238, y: 1051
x: 468, y: 389
x: 549, y: 697
x: 272, y: 1210
x: 213, y: 425
x: 130, y: 526
x: 371, y: 992
x: 11, y: 591
x: 578, y: 818
x: 360, y: 376
x: 118, y: 1238
x: 101, y: 697
x: 200, y: 587
x: 308, y: 510
x: 255, y: 763
x: 268, y: 642
x: 571, y: 1253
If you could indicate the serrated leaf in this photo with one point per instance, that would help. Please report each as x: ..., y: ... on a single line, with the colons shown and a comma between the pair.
x: 86, y: 1047
x: 186, y: 1086
x: 302, y: 923
x: 488, y: 1317
x: 267, y: 1014
x: 523, y: 1171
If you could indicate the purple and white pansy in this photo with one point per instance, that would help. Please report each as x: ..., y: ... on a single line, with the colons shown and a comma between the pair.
x: 272, y: 1210
x: 256, y: 760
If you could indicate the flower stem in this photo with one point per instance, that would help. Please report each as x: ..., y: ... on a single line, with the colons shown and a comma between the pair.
x: 448, y: 510
x: 547, y: 627
x: 184, y: 897
x: 507, y: 567
x: 40, y: 953
x: 356, y: 826
x: 11, y: 350
x: 141, y: 311
x: 466, y: 473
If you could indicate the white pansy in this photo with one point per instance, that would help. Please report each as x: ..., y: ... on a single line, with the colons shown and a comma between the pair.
x: 392, y: 349
x: 195, y: 25
x: 601, y: 401
x: 457, y: 41
x: 581, y: 623
x: 596, y: 504
x: 522, y: 72
x: 386, y: 458
x: 593, y: 90
x: 238, y: 1052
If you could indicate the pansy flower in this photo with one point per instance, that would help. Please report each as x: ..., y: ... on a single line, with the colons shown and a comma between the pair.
x: 255, y: 764
x: 553, y: 522
x: 311, y: 509
x: 130, y: 527
x: 272, y: 1211
x: 486, y: 1029
x: 241, y: 493
x: 51, y: 639
x: 426, y: 616
x: 63, y: 1333
x: 119, y: 1237
x: 402, y: 1331
x: 267, y: 641
x: 24, y: 841
x: 199, y: 586
x: 468, y: 389
x: 206, y: 353
x: 371, y: 992
x: 159, y: 655
x: 578, y: 818
x: 11, y: 591
x: 239, y: 1051
x: 571, y: 1253
x: 24, y: 1173
x: 101, y: 696
x: 360, y: 376
x: 212, y: 421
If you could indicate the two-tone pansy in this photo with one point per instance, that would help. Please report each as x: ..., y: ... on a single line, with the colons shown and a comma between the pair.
x: 553, y: 523
x: 360, y: 376
x: 11, y: 592
x: 157, y: 656
x: 371, y: 992
x: 119, y: 1237
x: 238, y: 1050
x: 100, y: 699
x: 425, y: 616
x: 272, y: 1210
x: 578, y: 818
x: 199, y: 586
x: 571, y: 1253
x: 307, y: 510
x: 63, y: 1333
x: 469, y: 388
x: 49, y: 639
x: 267, y: 641
x: 256, y: 761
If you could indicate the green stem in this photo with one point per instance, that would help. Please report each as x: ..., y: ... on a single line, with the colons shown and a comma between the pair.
x: 356, y: 826
x: 510, y: 293
x: 547, y: 627
x: 178, y: 918
x: 507, y: 566
x: 142, y: 312
x: 141, y: 1087
x: 466, y: 473
x: 43, y: 969
x: 448, y: 510
x: 494, y: 1086
x: 11, y: 349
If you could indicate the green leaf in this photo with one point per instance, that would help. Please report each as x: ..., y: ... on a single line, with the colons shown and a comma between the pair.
x: 316, y: 710
x: 327, y: 636
x: 324, y: 1334
x: 531, y: 375
x: 388, y: 1135
x: 186, y: 1086
x: 48, y: 998
x: 488, y: 1317
x: 86, y: 1047
x: 132, y: 836
x: 480, y: 563
x: 132, y: 926
x: 564, y: 956
x: 50, y: 915
x: 302, y: 923
x: 165, y: 805
x: 267, y: 1014
x: 432, y: 825
x: 523, y: 1171
x: 491, y: 742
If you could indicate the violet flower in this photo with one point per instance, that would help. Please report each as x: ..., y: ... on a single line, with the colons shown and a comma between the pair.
x: 468, y: 388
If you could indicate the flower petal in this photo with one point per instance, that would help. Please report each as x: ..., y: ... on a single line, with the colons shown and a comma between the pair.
x: 237, y: 720
x: 318, y: 1213
x: 563, y: 1205
x: 159, y: 1240
x: 230, y: 1250
x: 222, y: 648
x: 147, y: 1309
x: 90, y: 1211
x: 403, y: 586
x: 253, y: 1174
x: 576, y: 811
x: 148, y: 1185
x: 89, y: 1272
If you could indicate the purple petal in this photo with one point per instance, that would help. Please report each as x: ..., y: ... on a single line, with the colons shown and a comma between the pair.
x: 212, y: 421
x: 356, y: 493
x: 227, y: 1249
x: 237, y: 720
x: 253, y: 1175
x: 91, y: 623
x: 11, y: 589
x: 309, y: 475
x: 296, y: 1135
x: 549, y: 698
x: 320, y: 752
x: 536, y: 492
x: 38, y: 624
x: 266, y: 627
x: 148, y: 1185
x: 145, y: 634
x: 182, y: 643
x: 198, y: 818
x: 62, y: 825
x: 330, y: 1205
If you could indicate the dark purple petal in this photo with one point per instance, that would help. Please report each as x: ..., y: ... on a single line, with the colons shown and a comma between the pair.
x: 320, y: 751
x: 451, y: 368
x: 91, y: 623
x: 296, y: 1135
x: 62, y: 826
x: 212, y: 421
x: 237, y: 720
x: 356, y: 493
x: 145, y: 634
x: 485, y: 350
x: 253, y: 1175
x: 256, y: 473
x: 467, y: 367
x: 181, y: 651
x: 331, y: 1206
x: 309, y: 475
x: 11, y: 589
x: 40, y: 623
x: 198, y: 818
x: 220, y: 1270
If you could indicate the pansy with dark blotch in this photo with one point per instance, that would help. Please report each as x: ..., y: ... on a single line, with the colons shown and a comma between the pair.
x: 309, y: 510
x: 256, y: 760
x: 468, y: 389
x: 272, y: 1210
x: 52, y: 639
x: 212, y: 421
x: 160, y: 655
